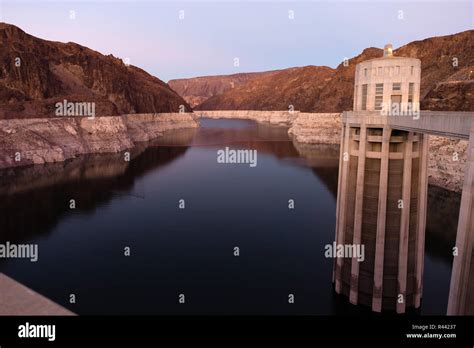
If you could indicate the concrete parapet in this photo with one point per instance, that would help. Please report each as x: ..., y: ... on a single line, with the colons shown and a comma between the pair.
x: 17, y: 299
x: 444, y: 123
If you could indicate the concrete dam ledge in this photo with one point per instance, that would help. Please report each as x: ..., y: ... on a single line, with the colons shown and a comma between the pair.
x: 46, y: 140
x: 17, y: 299
x: 447, y: 156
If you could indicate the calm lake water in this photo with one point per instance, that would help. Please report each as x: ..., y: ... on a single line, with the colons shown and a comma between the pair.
x: 191, y: 251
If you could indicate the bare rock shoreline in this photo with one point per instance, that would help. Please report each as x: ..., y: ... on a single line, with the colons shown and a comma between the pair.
x: 45, y: 140
x: 447, y: 157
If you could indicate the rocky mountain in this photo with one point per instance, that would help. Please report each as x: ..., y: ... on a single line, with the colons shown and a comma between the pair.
x: 447, y: 70
x: 299, y: 87
x: 447, y: 81
x: 35, y: 74
x: 197, y: 89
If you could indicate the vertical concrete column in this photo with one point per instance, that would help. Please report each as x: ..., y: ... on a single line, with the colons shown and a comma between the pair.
x: 338, y: 201
x: 356, y: 96
x: 381, y: 219
x: 422, y: 203
x: 404, y: 223
x: 460, y: 276
x: 342, y: 199
x: 359, y: 202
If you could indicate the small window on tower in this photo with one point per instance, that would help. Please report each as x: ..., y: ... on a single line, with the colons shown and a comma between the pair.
x: 364, y: 97
x: 378, y: 102
x: 397, y: 70
x: 380, y: 73
x: 412, y: 69
x: 378, y: 96
x: 411, y: 88
x: 397, y: 86
x: 365, y: 72
x: 379, y: 88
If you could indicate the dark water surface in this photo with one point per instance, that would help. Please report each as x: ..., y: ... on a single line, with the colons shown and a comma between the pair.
x: 191, y: 251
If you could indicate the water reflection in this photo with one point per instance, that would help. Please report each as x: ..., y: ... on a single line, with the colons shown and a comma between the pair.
x: 90, y: 180
x: 442, y: 222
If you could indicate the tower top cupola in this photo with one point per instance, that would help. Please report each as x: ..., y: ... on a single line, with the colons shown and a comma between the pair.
x: 388, y: 50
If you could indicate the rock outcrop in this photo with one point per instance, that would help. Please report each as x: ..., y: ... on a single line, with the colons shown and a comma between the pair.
x: 447, y: 162
x: 45, y: 140
x: 450, y: 95
x: 35, y: 74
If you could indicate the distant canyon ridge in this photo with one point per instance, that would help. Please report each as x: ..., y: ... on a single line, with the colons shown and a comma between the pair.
x: 447, y: 81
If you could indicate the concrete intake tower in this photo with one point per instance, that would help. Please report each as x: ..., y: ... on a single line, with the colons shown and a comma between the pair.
x: 382, y: 188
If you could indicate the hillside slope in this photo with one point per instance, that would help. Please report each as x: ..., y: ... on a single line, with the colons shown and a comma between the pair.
x: 196, y: 90
x: 35, y: 74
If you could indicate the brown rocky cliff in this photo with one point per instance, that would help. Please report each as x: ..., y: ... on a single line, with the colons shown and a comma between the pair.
x: 445, y: 65
x: 299, y: 87
x: 50, y: 72
x: 197, y: 89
